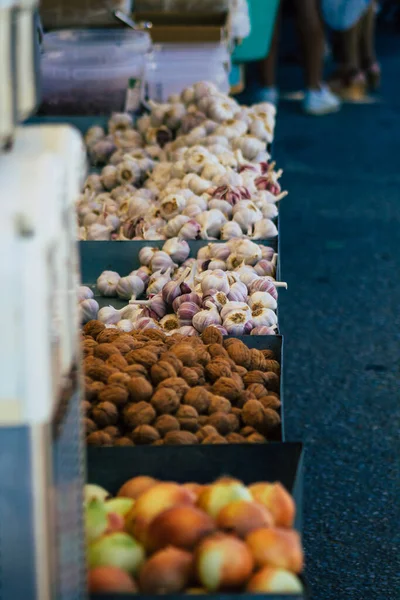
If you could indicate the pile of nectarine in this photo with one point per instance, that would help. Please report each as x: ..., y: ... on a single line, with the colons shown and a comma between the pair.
x: 159, y: 537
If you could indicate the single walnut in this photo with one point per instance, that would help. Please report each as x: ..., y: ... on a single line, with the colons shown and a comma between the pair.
x: 99, y: 438
x: 253, y: 414
x: 246, y: 431
x: 107, y: 336
x: 165, y: 401
x: 239, y: 353
x: 257, y: 389
x: 117, y: 361
x: 136, y: 371
x: 228, y: 342
x: 205, y: 431
x: 190, y: 376
x: 123, y: 441
x: 86, y: 407
x: 244, y: 397
x: 186, y: 353
x: 125, y: 338
x: 199, y: 398
x: 238, y: 380
x: 177, y: 384
x: 162, y: 370
x: 175, y: 338
x: 88, y: 346
x: 91, y: 361
x: 93, y: 389
x: 200, y: 374
x: 237, y: 412
x: 113, y: 431
x: 121, y: 379
x: 166, y: 423
x: 141, y: 413
x: 177, y: 438
x: 257, y: 362
x: 141, y: 357
x: 202, y: 355
x: 173, y: 360
x: 188, y: 418
x: 268, y: 354
x: 272, y: 419
x: 221, y: 422
x: 241, y: 371
x: 214, y: 438
x: 155, y: 334
x: 100, y: 373
x: 105, y: 413
x: 272, y: 365
x: 116, y: 394
x: 256, y: 438
x: 254, y: 377
x: 145, y: 434
x: 234, y: 422
x: 212, y: 335
x: 216, y: 350
x: 140, y: 389
x: 216, y: 369
x: 270, y: 402
x: 89, y: 425
x: 103, y: 351
x: 226, y: 387
x: 272, y: 381
x: 219, y: 404
x: 122, y: 347
x: 236, y: 438
x: 203, y: 420
x: 93, y: 328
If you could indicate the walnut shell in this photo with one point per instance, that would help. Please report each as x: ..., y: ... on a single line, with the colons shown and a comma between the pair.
x: 116, y: 394
x: 177, y: 384
x: 238, y: 380
x: 190, y: 376
x: 89, y: 425
x: 200, y: 374
x: 177, y: 438
x: 123, y: 441
x: 88, y: 346
x: 100, y: 373
x: 216, y: 369
x: 272, y: 419
x: 113, y: 431
x: 105, y: 413
x: 141, y: 413
x: 173, y: 360
x: 122, y: 347
x: 241, y: 371
x: 141, y: 357
x: 86, y: 407
x: 93, y: 389
x: 162, y: 370
x: 214, y: 438
x: 188, y: 418
x: 93, y: 328
x: 203, y: 420
x: 126, y: 340
x: 199, y: 398
x: 140, y: 389
x: 268, y: 354
x: 234, y: 422
x: 257, y: 389
x: 212, y: 335
x: 270, y: 402
x: 236, y: 438
x: 103, y: 351
x: 237, y: 412
x: 185, y: 352
x: 221, y: 422
x: 166, y: 423
x: 99, y: 438
x: 272, y: 381
x: 272, y: 365
x: 107, y: 336
x: 117, y: 361
x: 216, y: 350
x: 254, y: 377
x: 246, y: 431
x: 219, y: 404
x: 205, y: 431
x: 226, y: 387
x: 253, y: 414
x: 256, y: 438
x: 202, y: 355
x: 120, y: 379
x: 136, y: 371
x: 239, y: 353
x: 257, y: 362
x: 165, y: 401
x: 243, y: 397
x: 145, y: 434
x: 155, y: 334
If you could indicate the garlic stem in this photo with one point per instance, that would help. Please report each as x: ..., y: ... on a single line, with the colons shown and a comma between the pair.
x: 274, y: 259
x: 279, y: 284
x: 280, y: 196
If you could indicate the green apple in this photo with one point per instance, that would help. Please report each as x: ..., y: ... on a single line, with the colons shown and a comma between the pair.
x: 116, y: 550
x: 120, y: 506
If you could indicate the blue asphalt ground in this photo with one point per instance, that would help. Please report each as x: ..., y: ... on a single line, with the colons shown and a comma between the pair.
x: 340, y: 229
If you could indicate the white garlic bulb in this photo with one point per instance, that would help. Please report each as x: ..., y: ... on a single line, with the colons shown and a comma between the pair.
x: 237, y: 323
x: 129, y: 287
x: 109, y: 177
x: 88, y: 310
x: 215, y: 280
x: 262, y: 300
x: 264, y: 229
x: 109, y: 315
x: 84, y: 293
x: 231, y: 230
x: 98, y: 232
x: 125, y: 325
x: 172, y: 205
x: 178, y: 249
x: 263, y: 316
x: 233, y: 306
x: 107, y: 283
x: 173, y: 226
x: 249, y: 145
x: 248, y: 252
x: 205, y: 318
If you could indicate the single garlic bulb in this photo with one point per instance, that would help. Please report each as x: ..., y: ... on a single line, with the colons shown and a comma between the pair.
x: 263, y: 316
x: 129, y: 287
x: 109, y: 177
x: 178, y: 249
x: 262, y: 300
x: 231, y: 230
x: 107, y: 283
x: 237, y: 323
x: 88, y: 310
x: 84, y: 293
x: 205, y: 318
x: 172, y: 205
x: 109, y: 315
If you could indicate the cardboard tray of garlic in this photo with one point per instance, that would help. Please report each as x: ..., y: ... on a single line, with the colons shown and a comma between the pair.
x: 195, y: 168
x: 229, y: 285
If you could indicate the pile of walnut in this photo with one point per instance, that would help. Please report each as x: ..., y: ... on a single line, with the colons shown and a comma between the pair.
x: 145, y: 387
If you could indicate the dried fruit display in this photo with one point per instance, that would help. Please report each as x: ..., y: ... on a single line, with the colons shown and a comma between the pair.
x: 160, y: 537
x: 149, y: 388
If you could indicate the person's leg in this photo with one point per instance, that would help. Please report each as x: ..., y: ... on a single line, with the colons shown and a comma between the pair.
x: 267, y: 66
x: 312, y: 39
x: 367, y: 48
x: 348, y: 81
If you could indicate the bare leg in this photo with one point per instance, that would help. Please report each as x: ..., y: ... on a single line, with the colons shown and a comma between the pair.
x: 267, y: 66
x: 349, y: 81
x: 367, y: 37
x: 312, y: 40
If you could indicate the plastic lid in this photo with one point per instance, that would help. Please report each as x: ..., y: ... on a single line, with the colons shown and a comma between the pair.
x: 135, y: 41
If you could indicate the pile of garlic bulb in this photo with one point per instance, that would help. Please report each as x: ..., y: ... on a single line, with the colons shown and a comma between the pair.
x: 195, y: 168
x: 229, y: 285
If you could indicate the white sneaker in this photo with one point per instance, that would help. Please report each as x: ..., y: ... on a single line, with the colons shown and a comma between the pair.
x: 320, y: 102
x: 267, y: 94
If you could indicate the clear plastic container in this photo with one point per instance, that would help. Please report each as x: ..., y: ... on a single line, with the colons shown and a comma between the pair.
x: 88, y: 71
